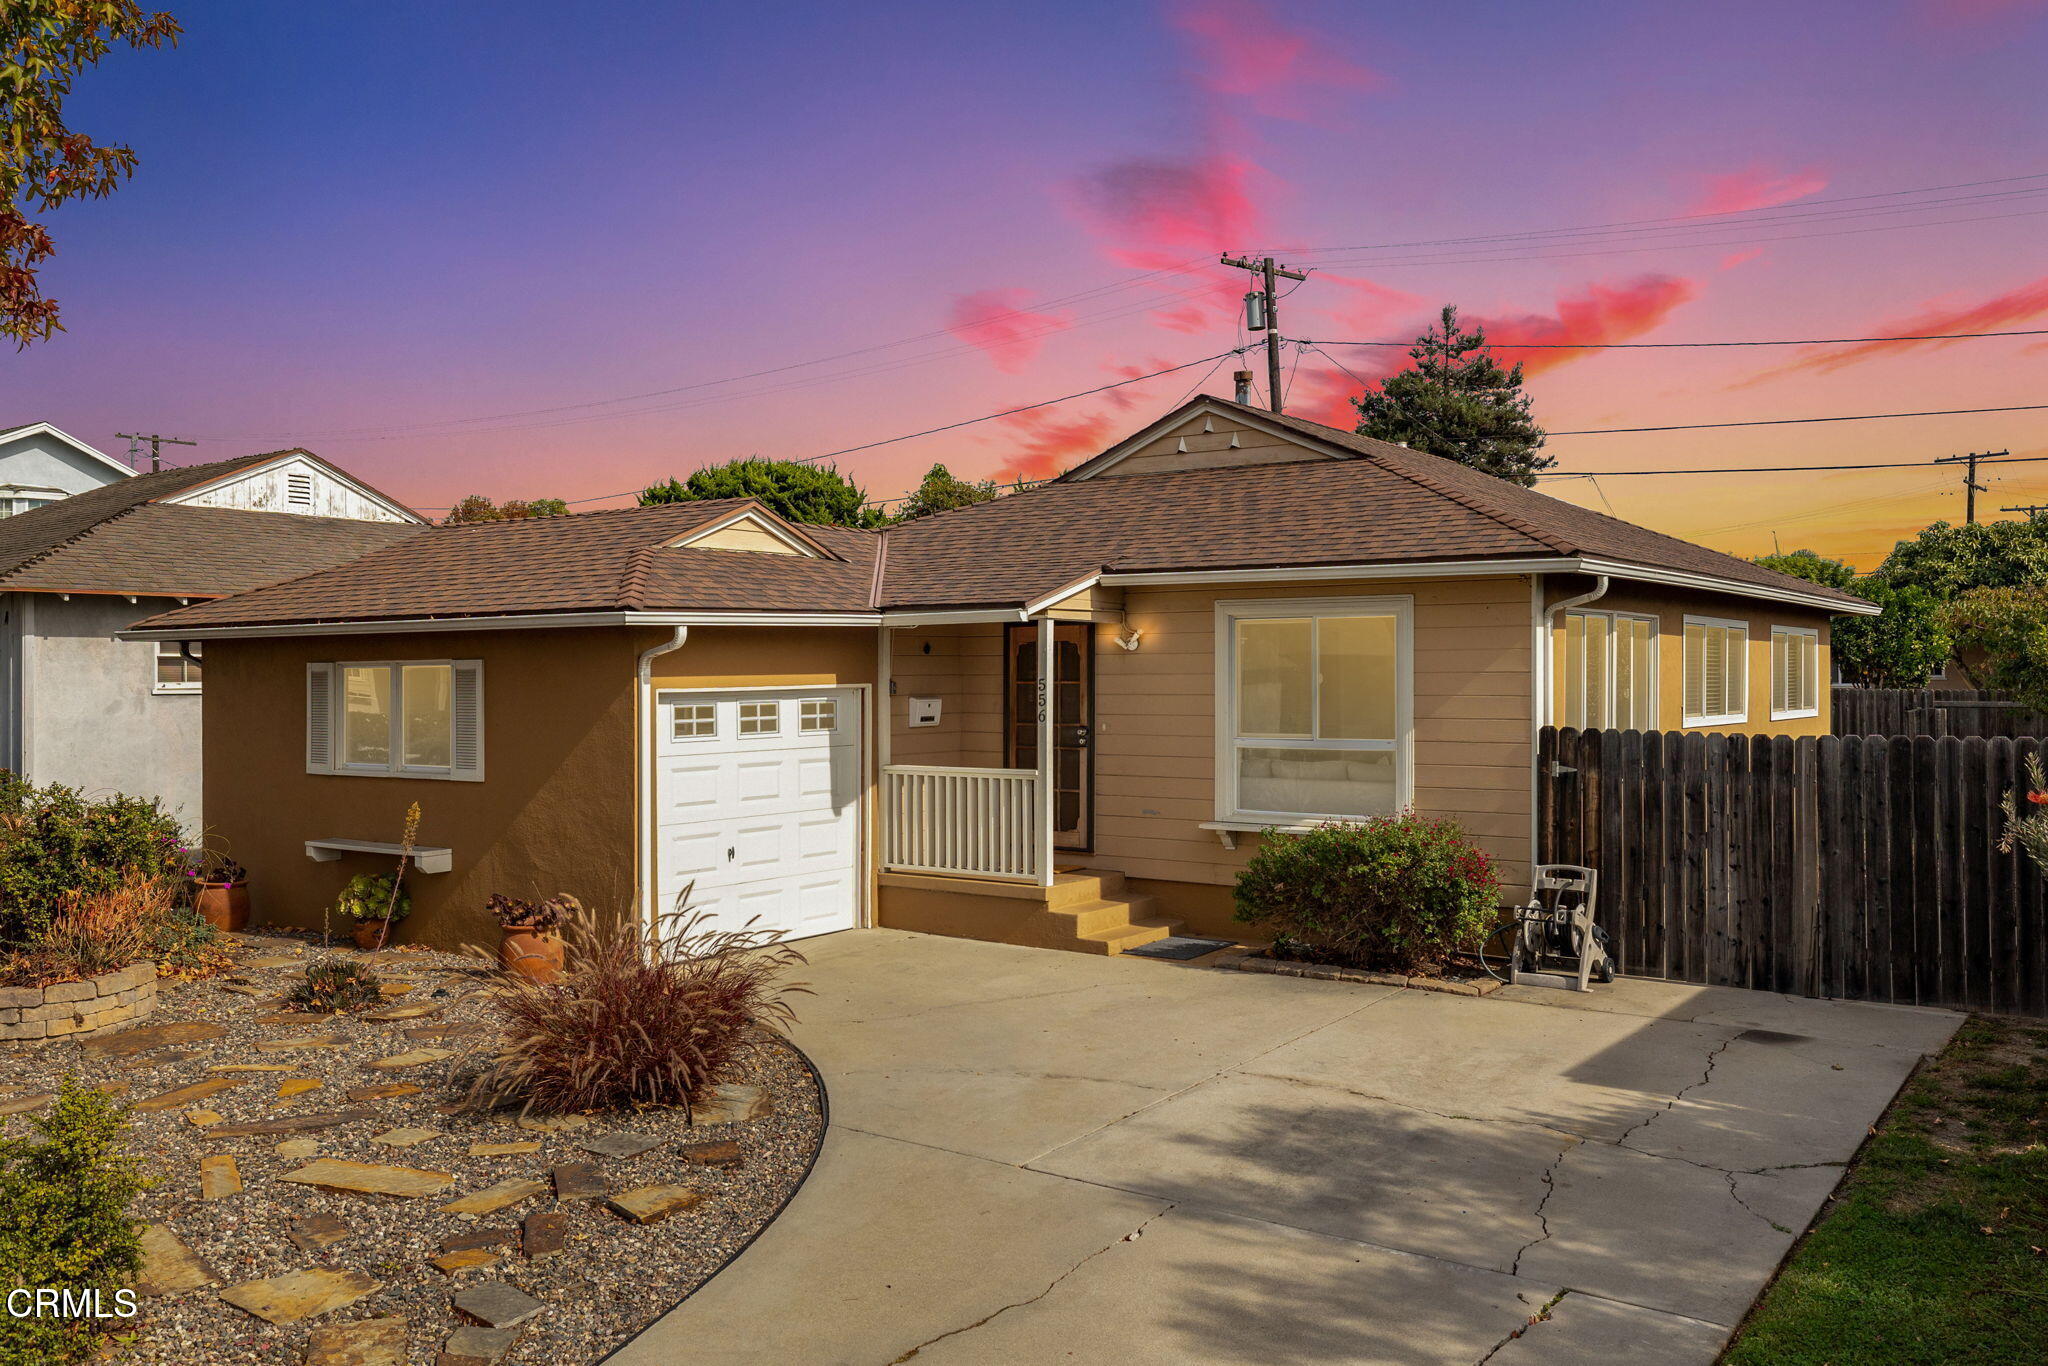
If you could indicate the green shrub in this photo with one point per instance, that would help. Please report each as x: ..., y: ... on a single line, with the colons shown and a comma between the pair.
x: 1394, y: 892
x: 371, y: 896
x: 64, y: 1221
x: 55, y: 841
x: 334, y: 986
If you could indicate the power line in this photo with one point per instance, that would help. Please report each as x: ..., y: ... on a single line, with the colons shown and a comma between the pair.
x: 1663, y: 346
x: 1789, y: 421
x: 1774, y: 469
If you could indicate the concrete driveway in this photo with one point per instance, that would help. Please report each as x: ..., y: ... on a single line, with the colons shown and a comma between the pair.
x: 1038, y: 1156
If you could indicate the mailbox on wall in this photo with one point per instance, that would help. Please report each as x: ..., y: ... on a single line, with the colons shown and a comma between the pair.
x: 924, y: 711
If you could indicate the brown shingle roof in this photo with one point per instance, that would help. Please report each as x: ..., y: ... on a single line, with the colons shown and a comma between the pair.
x: 120, y: 538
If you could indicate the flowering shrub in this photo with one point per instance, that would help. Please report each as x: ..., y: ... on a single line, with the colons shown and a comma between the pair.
x: 2028, y: 830
x: 1395, y: 892
x: 56, y: 843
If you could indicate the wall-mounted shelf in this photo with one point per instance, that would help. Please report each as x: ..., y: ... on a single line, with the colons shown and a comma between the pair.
x: 426, y: 858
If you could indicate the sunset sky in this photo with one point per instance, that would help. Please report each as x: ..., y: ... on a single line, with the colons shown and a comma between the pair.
x: 495, y: 248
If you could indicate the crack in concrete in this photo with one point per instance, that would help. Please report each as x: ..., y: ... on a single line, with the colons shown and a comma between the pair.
x: 1542, y: 1220
x: 1051, y: 1286
x: 1682, y: 1092
x: 1542, y: 1315
x: 1736, y: 1195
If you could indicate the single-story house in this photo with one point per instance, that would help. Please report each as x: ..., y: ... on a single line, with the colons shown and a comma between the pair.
x: 81, y: 707
x: 1064, y: 717
x: 40, y: 464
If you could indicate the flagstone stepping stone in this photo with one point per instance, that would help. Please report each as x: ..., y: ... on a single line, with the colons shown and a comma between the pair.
x: 219, y: 1177
x: 477, y: 1237
x: 300, y: 1295
x: 732, y: 1103
x: 472, y: 1346
x: 466, y: 1259
x: 395, y: 988
x: 552, y: 1124
x: 169, y: 1267
x: 491, y: 1199
x: 301, y: 1041
x: 202, y: 1118
x: 129, y: 1042
x: 252, y: 1067
x: 112, y: 1088
x: 283, y: 1017
x: 298, y: 1149
x: 419, y: 1057
x: 366, y: 1342
x: 291, y: 1124
x: 185, y: 1095
x: 370, y: 1178
x: 405, y: 1138
x: 274, y: 960
x: 418, y: 1010
x: 727, y: 1154
x: 298, y: 1086
x: 620, y: 1145
x: 316, y: 1231
x: 502, y: 1149
x: 15, y: 1105
x: 498, y: 1305
x: 430, y: 1033
x: 578, y: 1181
x: 243, y: 989
x: 389, y: 1090
x: 652, y: 1204
x: 543, y: 1234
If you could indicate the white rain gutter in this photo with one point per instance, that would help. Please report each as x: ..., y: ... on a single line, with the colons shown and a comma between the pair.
x: 643, y: 773
x: 1547, y: 698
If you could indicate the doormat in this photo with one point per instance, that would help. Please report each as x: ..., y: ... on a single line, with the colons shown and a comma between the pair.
x: 1179, y: 947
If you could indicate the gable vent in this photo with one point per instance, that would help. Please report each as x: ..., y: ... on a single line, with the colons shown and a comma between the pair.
x: 298, y: 490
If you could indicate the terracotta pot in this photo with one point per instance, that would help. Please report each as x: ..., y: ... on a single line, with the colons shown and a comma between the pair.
x: 223, y: 905
x: 533, y: 954
x: 372, y: 933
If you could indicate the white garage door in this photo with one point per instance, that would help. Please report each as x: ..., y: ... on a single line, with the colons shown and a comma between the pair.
x: 758, y: 797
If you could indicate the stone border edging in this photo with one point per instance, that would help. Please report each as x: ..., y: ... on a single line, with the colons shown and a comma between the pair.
x: 77, y: 1009
x: 1324, y: 972
x: 810, y: 1163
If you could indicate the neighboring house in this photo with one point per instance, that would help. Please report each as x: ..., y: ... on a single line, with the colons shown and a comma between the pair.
x: 81, y: 707
x: 1062, y: 717
x: 39, y: 465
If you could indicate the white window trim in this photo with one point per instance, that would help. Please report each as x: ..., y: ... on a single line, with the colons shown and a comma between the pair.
x: 185, y: 689
x: 1725, y: 718
x: 1656, y: 626
x: 699, y: 737
x: 396, y: 767
x: 1228, y: 614
x: 1797, y: 713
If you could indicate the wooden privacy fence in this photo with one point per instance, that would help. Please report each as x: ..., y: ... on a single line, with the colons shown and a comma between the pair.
x: 1924, y: 711
x: 1860, y: 867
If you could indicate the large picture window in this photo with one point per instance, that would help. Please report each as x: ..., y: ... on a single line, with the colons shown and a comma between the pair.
x: 1315, y: 704
x: 411, y: 718
x: 1716, y: 672
x: 1795, y: 672
x: 1610, y: 671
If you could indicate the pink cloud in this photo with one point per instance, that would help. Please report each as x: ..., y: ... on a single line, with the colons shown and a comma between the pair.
x: 1757, y: 187
x: 1740, y: 258
x: 1368, y: 305
x: 1600, y: 312
x: 995, y: 321
x: 2023, y: 303
x: 1046, y: 441
x: 1243, y: 51
x: 1154, y: 213
x: 1190, y: 318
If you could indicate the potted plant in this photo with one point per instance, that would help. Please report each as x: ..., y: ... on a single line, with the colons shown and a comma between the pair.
x: 531, y: 944
x: 375, y: 904
x: 220, y: 891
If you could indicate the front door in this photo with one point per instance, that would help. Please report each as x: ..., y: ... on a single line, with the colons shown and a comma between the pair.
x: 1073, y: 702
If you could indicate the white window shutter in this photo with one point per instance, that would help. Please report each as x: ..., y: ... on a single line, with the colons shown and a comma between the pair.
x: 466, y: 715
x: 319, y: 718
x: 1738, y: 671
x: 1695, y: 671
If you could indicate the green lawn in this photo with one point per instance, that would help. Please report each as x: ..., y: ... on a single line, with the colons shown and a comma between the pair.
x: 1933, y: 1250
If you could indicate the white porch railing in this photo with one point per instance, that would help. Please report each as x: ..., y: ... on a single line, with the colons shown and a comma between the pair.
x: 974, y: 822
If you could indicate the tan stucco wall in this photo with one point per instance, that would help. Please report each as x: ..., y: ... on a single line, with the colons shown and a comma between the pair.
x: 1671, y: 607
x: 552, y: 814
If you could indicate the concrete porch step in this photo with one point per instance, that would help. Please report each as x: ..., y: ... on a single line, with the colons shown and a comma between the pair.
x: 1084, y: 885
x: 1128, y: 936
x: 1107, y: 913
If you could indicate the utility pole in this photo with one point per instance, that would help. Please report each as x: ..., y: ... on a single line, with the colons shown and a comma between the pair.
x: 1264, y: 315
x: 2031, y: 509
x: 155, y: 442
x: 1970, y: 485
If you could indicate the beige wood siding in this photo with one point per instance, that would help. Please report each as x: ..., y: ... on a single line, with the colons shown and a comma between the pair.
x: 1671, y: 606
x: 1155, y: 737
x: 962, y: 666
x: 1208, y: 442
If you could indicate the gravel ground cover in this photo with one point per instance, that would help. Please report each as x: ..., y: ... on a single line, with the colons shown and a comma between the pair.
x: 250, y: 1226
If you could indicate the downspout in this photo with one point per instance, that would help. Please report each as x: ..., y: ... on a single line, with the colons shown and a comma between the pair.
x: 1545, y: 660
x: 643, y: 774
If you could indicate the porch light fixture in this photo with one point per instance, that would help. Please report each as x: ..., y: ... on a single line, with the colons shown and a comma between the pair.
x: 1129, y: 637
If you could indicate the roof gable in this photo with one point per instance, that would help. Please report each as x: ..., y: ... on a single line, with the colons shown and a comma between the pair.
x: 294, y: 481
x: 1203, y: 434
x: 752, y: 529
x: 91, y: 454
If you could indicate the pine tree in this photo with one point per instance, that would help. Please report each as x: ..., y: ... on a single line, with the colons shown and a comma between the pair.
x: 1457, y: 401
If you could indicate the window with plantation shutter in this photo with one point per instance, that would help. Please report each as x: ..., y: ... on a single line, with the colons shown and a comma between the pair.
x: 319, y: 718
x: 1795, y: 672
x: 1610, y: 671
x: 1716, y: 672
